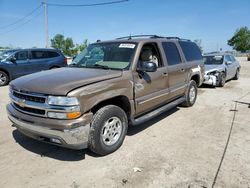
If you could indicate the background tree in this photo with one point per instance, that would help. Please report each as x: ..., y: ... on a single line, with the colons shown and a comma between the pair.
x: 241, y: 40
x: 67, y: 46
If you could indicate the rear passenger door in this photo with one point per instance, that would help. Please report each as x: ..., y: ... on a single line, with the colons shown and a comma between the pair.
x: 38, y: 60
x: 177, y: 74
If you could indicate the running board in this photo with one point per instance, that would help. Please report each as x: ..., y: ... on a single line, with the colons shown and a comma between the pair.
x: 157, y: 112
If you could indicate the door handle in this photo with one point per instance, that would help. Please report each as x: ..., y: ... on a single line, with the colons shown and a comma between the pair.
x: 182, y: 70
x: 165, y: 74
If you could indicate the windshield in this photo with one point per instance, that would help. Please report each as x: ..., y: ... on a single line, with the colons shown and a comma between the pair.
x: 6, y: 54
x: 213, y: 60
x: 106, y: 55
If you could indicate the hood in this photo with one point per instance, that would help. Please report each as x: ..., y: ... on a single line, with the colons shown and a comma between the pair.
x: 61, y: 81
x: 210, y: 68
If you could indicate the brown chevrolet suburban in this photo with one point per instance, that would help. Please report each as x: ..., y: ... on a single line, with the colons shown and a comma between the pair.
x: 110, y: 85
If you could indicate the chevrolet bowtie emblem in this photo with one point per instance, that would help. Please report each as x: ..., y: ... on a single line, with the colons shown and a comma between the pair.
x: 21, y: 102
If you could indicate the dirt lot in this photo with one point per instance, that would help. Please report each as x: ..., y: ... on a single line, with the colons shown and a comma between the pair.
x: 182, y: 148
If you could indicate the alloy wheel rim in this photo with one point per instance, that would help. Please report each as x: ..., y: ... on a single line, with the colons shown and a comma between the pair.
x: 111, y: 131
x: 2, y: 79
x: 192, y: 94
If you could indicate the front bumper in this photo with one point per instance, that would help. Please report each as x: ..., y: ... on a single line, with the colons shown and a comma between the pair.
x: 210, y: 80
x: 66, y: 133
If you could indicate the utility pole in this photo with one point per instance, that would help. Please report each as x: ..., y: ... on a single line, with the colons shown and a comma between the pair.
x: 46, y: 23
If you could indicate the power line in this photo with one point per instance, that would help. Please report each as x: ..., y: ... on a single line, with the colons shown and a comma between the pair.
x: 6, y: 32
x: 21, y: 19
x: 87, y: 5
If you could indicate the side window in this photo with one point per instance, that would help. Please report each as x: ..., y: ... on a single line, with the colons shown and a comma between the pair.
x: 39, y: 54
x: 227, y: 58
x: 150, y: 52
x: 232, y: 58
x: 172, y: 53
x: 52, y: 54
x: 191, y: 51
x: 23, y: 55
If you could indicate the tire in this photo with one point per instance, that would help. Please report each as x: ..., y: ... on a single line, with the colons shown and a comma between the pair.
x: 191, y: 94
x: 4, y: 78
x: 222, y: 79
x: 108, y: 130
x: 237, y: 75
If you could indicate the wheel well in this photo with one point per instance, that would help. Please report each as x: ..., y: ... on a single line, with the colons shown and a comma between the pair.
x: 5, y: 72
x: 196, y: 78
x: 120, y: 101
x: 54, y: 66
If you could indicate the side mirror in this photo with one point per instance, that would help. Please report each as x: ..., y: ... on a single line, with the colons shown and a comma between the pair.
x: 148, y: 66
x: 228, y: 62
x: 12, y: 59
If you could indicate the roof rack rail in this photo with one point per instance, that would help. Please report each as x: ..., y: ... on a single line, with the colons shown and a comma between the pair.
x: 137, y: 36
x: 150, y: 36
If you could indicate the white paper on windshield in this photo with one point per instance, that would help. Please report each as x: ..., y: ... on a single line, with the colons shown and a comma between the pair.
x: 126, y: 45
x: 218, y: 57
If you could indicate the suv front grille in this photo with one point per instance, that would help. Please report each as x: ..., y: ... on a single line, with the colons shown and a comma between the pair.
x: 29, y: 97
x: 30, y: 110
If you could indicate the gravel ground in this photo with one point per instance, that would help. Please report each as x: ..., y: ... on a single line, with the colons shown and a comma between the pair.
x: 203, y: 146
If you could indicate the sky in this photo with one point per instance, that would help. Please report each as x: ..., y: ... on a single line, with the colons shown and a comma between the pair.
x: 211, y: 21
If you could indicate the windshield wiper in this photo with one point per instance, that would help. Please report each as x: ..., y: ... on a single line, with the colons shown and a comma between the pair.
x: 99, y: 66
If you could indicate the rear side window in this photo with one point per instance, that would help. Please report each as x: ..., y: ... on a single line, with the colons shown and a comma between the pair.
x: 191, y: 51
x: 52, y: 54
x: 39, y: 54
x: 171, y: 53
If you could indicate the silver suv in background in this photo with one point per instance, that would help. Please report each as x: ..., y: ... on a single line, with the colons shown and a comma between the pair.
x: 220, y: 67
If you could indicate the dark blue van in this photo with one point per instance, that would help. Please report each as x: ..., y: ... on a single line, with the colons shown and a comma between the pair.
x: 20, y: 62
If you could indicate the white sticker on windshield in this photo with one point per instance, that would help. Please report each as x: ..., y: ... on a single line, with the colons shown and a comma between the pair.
x: 127, y: 45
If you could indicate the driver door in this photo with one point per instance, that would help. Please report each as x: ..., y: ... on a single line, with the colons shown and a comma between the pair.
x: 21, y: 66
x: 151, y: 88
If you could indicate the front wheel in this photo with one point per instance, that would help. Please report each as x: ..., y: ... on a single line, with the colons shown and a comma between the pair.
x: 4, y: 78
x: 108, y: 130
x: 222, y: 79
x: 191, y: 94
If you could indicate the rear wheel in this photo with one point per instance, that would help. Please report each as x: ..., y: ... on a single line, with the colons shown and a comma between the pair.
x: 191, y: 94
x: 4, y: 78
x: 108, y: 130
x: 222, y: 79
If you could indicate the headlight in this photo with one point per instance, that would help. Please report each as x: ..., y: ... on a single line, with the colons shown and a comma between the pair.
x: 63, y: 101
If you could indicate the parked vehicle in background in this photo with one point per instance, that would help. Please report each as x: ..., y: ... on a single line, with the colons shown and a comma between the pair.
x: 16, y: 63
x: 220, y: 67
x: 110, y: 85
x: 248, y: 57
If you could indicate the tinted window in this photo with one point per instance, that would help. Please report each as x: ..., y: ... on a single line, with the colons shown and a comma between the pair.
x: 172, y: 53
x: 23, y: 55
x: 191, y: 51
x: 39, y: 54
x: 213, y: 60
x: 52, y: 54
